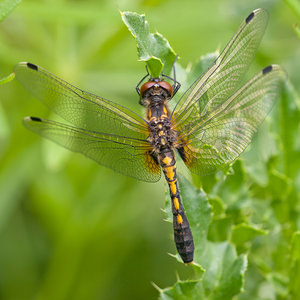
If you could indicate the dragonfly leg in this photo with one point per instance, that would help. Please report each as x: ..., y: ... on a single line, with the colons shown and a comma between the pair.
x: 138, y: 85
x: 176, y: 85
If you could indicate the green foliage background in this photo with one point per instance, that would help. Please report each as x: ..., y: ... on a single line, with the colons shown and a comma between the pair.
x: 70, y: 229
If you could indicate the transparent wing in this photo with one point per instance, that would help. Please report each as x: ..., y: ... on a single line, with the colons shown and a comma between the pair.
x: 213, y: 87
x: 128, y: 156
x: 78, y: 107
x: 220, y: 136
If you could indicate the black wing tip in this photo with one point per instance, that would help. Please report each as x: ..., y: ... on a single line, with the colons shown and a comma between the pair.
x: 32, y: 66
x: 256, y: 12
x: 250, y: 17
x: 267, y: 69
x: 34, y: 119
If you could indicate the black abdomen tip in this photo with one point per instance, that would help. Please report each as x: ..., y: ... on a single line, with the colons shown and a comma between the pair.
x: 249, y: 18
x: 267, y: 70
x: 32, y: 66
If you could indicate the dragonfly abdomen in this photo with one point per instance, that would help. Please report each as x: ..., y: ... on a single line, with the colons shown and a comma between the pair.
x: 182, y: 233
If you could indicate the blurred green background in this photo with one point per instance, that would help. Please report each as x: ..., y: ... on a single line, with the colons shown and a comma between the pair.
x: 70, y: 229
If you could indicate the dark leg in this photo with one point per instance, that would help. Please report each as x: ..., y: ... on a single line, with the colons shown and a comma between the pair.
x: 138, y: 85
x: 176, y: 86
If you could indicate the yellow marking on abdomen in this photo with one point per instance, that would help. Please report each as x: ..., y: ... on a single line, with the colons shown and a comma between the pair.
x: 173, y: 187
x: 167, y: 160
x: 179, y: 219
x: 169, y: 171
x: 176, y: 203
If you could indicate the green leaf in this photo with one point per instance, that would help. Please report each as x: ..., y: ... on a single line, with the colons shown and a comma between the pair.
x: 224, y: 270
x: 183, y: 290
x: 243, y: 233
x: 6, y: 7
x: 219, y: 229
x: 217, y: 206
x: 232, y: 279
x: 153, y: 48
x: 294, y: 285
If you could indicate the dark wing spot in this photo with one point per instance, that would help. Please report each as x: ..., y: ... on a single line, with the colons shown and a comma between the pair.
x: 249, y: 18
x: 36, y: 119
x: 267, y: 70
x: 153, y: 155
x: 32, y: 66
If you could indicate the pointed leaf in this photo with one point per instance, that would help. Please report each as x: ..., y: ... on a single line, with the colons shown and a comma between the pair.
x: 231, y: 282
x: 153, y: 48
x: 243, y: 233
x: 183, y: 290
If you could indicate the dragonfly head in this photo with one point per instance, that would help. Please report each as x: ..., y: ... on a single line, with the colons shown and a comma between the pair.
x: 155, y: 88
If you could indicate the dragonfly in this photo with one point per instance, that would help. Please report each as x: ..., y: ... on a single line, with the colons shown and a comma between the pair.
x: 209, y: 127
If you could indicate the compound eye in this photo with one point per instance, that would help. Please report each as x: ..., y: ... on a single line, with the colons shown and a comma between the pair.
x: 167, y: 86
x: 163, y: 84
x: 146, y: 86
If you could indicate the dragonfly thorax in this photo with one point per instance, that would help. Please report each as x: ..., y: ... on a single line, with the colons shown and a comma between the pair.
x: 161, y: 136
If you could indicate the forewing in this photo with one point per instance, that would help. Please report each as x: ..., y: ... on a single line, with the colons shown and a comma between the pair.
x: 128, y: 156
x: 214, y: 87
x: 78, y: 107
x: 220, y: 136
